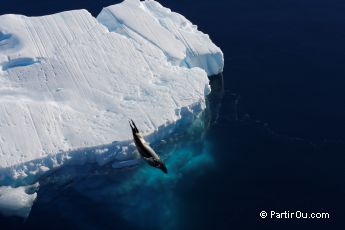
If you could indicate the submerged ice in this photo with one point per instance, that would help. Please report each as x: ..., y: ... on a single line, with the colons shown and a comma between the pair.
x: 69, y: 82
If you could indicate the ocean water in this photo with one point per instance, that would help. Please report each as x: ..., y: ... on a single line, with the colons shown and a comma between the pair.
x: 272, y: 138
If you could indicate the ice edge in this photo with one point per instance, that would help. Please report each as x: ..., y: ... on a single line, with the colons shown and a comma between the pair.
x: 28, y: 172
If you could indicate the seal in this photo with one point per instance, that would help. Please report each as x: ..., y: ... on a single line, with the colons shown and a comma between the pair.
x: 149, y: 155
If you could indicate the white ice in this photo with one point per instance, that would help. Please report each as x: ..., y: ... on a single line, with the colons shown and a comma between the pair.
x: 172, y: 33
x: 17, y: 201
x: 69, y: 82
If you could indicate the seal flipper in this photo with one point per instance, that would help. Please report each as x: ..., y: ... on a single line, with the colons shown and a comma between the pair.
x: 151, y: 161
x: 135, y: 127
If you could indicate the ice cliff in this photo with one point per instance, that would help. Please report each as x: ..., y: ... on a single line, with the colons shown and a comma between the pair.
x: 69, y: 82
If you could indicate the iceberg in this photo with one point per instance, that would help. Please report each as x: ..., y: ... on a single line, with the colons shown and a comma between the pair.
x: 69, y: 82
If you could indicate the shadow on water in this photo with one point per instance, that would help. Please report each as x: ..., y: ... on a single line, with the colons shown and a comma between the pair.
x: 138, y: 197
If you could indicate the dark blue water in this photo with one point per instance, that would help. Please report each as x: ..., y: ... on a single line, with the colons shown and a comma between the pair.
x: 274, y: 140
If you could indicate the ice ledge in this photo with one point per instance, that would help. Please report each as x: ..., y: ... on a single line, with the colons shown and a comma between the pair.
x: 116, y: 152
x: 68, y: 85
x: 69, y: 82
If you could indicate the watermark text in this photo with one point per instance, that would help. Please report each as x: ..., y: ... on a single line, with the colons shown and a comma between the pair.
x: 293, y: 215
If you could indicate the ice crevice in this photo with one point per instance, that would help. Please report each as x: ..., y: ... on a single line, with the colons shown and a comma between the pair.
x: 69, y: 82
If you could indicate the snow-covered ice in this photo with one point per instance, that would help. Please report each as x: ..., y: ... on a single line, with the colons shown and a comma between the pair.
x: 170, y: 32
x: 69, y: 82
x: 17, y: 201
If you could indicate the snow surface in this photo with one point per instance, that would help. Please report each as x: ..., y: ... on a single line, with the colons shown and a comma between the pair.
x: 172, y: 33
x: 69, y: 82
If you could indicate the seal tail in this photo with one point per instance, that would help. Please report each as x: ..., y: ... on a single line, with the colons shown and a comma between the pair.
x: 133, y: 126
